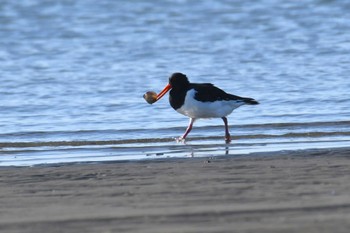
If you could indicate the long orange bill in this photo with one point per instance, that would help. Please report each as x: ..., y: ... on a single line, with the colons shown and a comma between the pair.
x: 164, y: 91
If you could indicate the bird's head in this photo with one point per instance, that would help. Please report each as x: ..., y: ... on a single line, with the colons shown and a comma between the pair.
x: 176, y: 80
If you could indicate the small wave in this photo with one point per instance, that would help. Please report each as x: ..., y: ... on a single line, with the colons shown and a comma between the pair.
x: 277, y: 125
x: 82, y: 143
x: 163, y: 140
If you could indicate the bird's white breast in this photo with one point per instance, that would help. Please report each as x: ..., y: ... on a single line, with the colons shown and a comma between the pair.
x: 198, y: 109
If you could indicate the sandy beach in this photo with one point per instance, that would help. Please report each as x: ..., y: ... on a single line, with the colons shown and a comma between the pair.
x: 301, y: 191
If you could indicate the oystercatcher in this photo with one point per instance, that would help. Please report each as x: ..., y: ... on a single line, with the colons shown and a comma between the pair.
x: 201, y: 100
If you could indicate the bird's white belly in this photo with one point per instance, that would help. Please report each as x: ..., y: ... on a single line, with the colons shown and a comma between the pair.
x: 198, y: 109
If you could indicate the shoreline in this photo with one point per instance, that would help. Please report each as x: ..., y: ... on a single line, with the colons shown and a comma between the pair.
x: 303, y: 191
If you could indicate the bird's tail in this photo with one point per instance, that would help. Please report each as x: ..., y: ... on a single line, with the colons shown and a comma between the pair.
x: 245, y: 100
x: 250, y: 101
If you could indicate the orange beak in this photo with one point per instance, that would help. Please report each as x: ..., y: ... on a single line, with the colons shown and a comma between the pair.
x: 163, y: 92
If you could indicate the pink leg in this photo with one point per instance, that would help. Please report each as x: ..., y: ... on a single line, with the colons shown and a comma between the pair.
x: 227, y: 133
x: 189, y: 128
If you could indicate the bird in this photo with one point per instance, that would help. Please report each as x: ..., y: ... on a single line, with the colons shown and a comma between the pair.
x: 201, y: 100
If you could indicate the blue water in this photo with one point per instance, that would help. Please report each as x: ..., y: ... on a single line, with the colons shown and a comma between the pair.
x: 75, y: 71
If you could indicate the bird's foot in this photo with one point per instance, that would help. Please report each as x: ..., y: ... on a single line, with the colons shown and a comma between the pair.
x: 180, y: 140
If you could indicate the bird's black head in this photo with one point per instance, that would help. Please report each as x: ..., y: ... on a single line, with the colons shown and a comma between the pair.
x: 178, y: 80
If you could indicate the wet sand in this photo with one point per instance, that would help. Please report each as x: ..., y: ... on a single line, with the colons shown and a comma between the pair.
x: 301, y: 191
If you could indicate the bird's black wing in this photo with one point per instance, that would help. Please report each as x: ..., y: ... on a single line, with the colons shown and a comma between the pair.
x: 207, y: 92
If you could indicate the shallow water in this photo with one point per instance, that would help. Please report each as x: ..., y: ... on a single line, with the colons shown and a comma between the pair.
x: 73, y: 74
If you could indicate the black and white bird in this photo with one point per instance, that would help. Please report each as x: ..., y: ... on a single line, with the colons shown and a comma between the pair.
x: 201, y: 100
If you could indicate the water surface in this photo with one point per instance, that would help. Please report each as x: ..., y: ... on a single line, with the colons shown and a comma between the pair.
x: 75, y: 71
